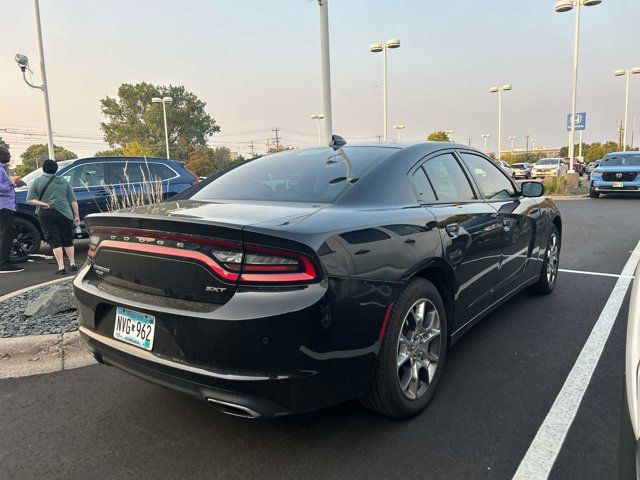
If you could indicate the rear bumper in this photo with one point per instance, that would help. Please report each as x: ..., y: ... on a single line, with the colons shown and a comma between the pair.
x: 271, y: 354
x: 544, y: 174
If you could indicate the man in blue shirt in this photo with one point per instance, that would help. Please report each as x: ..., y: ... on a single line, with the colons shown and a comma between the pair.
x: 7, y: 209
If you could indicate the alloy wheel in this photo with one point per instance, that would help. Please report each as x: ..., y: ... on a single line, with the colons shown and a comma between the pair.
x: 552, y: 259
x: 418, y: 349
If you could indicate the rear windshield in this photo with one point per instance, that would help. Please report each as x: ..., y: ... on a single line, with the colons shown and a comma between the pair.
x: 621, y: 161
x: 315, y: 175
x: 517, y: 165
x: 548, y: 161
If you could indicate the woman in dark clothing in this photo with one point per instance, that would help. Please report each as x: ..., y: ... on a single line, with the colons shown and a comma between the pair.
x: 57, y: 212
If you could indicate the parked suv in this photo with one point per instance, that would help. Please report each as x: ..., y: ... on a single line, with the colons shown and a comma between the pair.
x: 617, y: 172
x: 100, y: 184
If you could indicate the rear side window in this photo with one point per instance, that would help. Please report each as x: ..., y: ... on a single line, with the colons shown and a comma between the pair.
x: 422, y: 187
x: 160, y: 171
x: 491, y: 180
x: 127, y: 172
x: 317, y: 175
x: 448, y: 179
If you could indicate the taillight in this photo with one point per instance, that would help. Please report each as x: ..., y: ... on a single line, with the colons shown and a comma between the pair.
x: 265, y: 265
x: 230, y: 260
x: 195, y: 177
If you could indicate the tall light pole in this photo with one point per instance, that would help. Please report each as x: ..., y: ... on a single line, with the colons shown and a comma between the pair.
x: 326, y: 69
x: 23, y: 63
x: 318, y: 117
x: 627, y: 74
x: 499, y: 91
x: 565, y: 6
x: 486, y: 137
x: 398, y: 128
x: 164, y: 101
x: 513, y: 139
x: 383, y: 47
x: 533, y: 144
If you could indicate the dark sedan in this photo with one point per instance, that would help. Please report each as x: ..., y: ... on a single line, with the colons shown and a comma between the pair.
x: 310, y: 277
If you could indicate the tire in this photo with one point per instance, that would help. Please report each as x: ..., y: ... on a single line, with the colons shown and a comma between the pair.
x: 386, y: 394
x: 594, y: 194
x: 26, y: 240
x: 549, y: 276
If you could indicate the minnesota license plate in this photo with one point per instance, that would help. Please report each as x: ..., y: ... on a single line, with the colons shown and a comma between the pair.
x: 134, y: 327
x: 618, y: 184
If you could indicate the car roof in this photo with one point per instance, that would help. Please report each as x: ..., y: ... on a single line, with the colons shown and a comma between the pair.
x: 119, y: 159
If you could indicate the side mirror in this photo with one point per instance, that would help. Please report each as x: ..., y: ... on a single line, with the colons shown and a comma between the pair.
x: 532, y: 189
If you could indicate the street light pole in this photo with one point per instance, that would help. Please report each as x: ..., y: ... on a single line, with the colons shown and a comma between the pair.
x: 398, y: 128
x: 512, y: 140
x: 383, y: 47
x: 326, y: 69
x: 627, y: 74
x: 45, y: 88
x: 164, y: 101
x: 485, y: 136
x: 499, y: 91
x: 318, y: 117
x: 565, y: 6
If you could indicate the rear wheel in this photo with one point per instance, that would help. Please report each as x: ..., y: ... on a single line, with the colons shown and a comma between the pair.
x: 549, y: 273
x: 26, y: 240
x: 412, y: 353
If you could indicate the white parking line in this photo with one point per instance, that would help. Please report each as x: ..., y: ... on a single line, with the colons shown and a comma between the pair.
x: 616, y: 275
x: 543, y: 451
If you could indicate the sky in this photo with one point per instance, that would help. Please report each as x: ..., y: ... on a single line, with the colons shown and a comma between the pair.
x: 257, y: 66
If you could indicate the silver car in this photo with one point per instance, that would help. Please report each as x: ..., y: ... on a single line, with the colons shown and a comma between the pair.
x: 630, y: 445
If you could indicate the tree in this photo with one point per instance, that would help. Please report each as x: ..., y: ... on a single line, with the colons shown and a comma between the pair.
x: 279, y: 148
x: 40, y: 152
x: 4, y: 144
x: 206, y: 161
x: 112, y: 152
x: 438, y: 136
x: 131, y: 116
x: 136, y: 149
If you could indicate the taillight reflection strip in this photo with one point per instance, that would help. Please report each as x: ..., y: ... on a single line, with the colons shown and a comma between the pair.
x: 174, y: 252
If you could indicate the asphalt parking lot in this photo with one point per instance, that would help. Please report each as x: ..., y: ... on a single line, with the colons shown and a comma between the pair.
x: 500, y: 382
x: 40, y: 268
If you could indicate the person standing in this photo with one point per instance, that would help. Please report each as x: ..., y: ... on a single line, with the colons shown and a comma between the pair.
x: 7, y: 209
x: 57, y: 212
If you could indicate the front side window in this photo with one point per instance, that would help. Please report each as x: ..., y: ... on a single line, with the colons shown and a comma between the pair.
x: 317, y: 175
x: 88, y: 175
x: 448, y: 180
x: 491, y: 180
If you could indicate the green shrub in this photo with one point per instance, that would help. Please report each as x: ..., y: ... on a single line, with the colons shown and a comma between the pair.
x: 556, y: 185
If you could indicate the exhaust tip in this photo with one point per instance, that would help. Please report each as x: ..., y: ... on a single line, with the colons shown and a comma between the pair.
x: 233, y: 409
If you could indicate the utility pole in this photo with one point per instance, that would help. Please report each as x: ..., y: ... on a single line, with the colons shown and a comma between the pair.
x: 44, y: 88
x: 277, y: 138
x: 469, y: 141
x: 253, y: 153
x: 527, y: 143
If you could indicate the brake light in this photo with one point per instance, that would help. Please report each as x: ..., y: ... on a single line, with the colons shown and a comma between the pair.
x: 265, y: 265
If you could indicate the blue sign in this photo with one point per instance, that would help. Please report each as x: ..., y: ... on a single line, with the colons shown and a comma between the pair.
x: 580, y: 121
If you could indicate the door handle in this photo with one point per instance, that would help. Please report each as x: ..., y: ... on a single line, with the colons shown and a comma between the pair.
x: 410, y: 241
x: 101, y: 193
x: 534, y: 212
x: 453, y: 229
x: 431, y: 225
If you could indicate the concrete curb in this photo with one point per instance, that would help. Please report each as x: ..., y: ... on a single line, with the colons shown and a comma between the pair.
x: 38, y: 354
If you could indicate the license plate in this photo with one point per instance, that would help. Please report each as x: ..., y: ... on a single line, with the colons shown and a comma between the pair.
x: 618, y: 184
x: 134, y: 327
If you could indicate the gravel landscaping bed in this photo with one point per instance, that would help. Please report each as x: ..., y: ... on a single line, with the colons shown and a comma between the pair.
x: 44, y: 310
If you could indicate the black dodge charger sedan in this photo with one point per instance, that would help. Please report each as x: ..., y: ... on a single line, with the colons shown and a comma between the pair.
x: 309, y: 277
